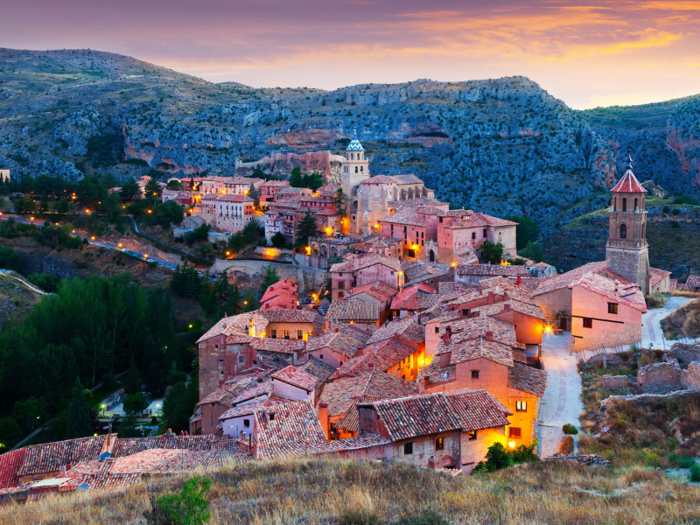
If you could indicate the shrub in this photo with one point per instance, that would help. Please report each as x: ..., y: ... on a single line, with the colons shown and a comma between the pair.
x: 497, y: 458
x: 656, y: 300
x: 190, y: 506
x: 359, y: 517
x: 570, y: 429
x: 695, y: 472
x: 682, y: 461
x: 427, y: 516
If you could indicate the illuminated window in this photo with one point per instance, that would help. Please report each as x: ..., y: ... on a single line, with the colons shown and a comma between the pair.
x: 521, y: 406
x: 440, y: 444
x: 471, y: 435
x: 587, y: 322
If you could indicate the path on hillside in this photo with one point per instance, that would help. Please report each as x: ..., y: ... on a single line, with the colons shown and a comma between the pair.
x: 652, y: 334
x: 27, y: 284
x: 561, y: 402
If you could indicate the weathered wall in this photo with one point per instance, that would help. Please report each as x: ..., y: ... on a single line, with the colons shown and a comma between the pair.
x: 306, y: 278
x: 616, y: 382
x: 690, y: 378
x: 659, y: 377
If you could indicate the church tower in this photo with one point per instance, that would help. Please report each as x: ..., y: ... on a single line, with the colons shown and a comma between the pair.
x: 355, y: 169
x: 627, y: 252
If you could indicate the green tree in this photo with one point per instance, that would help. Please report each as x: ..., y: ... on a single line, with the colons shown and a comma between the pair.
x: 10, y: 433
x: 154, y: 379
x: 178, y: 406
x: 526, y: 231
x: 306, y: 228
x: 10, y: 259
x: 533, y: 251
x: 130, y: 190
x: 190, y: 506
x: 313, y: 181
x: 153, y: 190
x: 28, y: 412
x: 339, y: 202
x: 79, y: 423
x: 254, y: 194
x: 134, y: 384
x: 492, y: 252
x: 497, y: 458
x: 296, y: 180
x: 46, y: 281
x: 270, y: 277
x: 170, y: 212
x: 62, y: 207
x: 278, y: 240
x: 174, y: 184
x: 135, y: 403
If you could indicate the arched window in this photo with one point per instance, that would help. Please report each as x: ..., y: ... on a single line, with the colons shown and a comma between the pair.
x: 362, y: 169
x: 615, y: 204
x: 355, y: 169
x: 624, y: 204
x: 352, y: 156
x: 623, y: 231
x: 636, y: 204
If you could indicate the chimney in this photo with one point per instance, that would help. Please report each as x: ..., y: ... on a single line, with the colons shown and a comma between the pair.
x: 298, y: 355
x: 488, y: 335
x: 519, y: 281
x: 445, y: 359
x: 491, y: 298
x: 324, y: 418
x: 421, y: 386
x: 448, y: 335
x: 506, y: 307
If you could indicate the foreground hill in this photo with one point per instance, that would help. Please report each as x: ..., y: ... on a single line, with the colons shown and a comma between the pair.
x: 355, y: 493
x: 501, y: 146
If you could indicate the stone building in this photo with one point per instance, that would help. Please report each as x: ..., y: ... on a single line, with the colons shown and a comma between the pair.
x: 627, y: 251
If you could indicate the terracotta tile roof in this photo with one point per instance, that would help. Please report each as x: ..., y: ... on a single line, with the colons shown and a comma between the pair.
x: 406, y: 328
x: 341, y: 394
x: 658, y: 275
x: 49, y: 457
x: 9, y: 464
x: 564, y: 280
x: 500, y: 285
x: 490, y: 270
x: 407, y: 216
x: 379, y: 290
x: 129, y: 446
x: 480, y: 326
x: 353, y: 443
x: 419, y: 271
x: 524, y: 307
x: 340, y: 342
x: 479, y: 348
x: 478, y: 409
x: 527, y: 379
x: 257, y: 389
x: 351, y: 421
x: 379, y: 356
x: 629, y: 294
x: 378, y: 179
x: 296, y: 377
x: 250, y: 408
x: 290, y: 316
x: 415, y: 416
x: 321, y: 369
x: 447, y: 286
x: 365, y: 260
x: 235, y: 324
x: 414, y: 299
x: 358, y: 311
x: 419, y: 203
x: 628, y: 184
x: 294, y: 426
x: 692, y: 282
x: 283, y: 346
x: 407, y: 178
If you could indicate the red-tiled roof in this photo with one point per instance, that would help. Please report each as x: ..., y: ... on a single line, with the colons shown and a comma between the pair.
x: 9, y: 464
x: 658, y: 275
x: 628, y: 184
x: 527, y: 379
x: 379, y: 357
x: 358, y: 311
x: 379, y: 290
x: 296, y: 377
x: 129, y: 446
x: 406, y: 328
x: 49, y: 457
x: 294, y: 427
x: 413, y: 298
x: 250, y: 407
x: 283, y: 346
x: 490, y: 270
x: 477, y: 409
x: 410, y: 417
x: 365, y: 260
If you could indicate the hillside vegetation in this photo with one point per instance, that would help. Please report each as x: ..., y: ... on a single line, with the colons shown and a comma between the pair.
x: 501, y: 145
x: 368, y: 493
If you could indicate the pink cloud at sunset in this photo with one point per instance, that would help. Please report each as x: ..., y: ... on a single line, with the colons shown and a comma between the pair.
x: 587, y: 53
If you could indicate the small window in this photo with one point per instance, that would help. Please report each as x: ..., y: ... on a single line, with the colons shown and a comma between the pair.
x: 300, y: 334
x: 587, y: 322
x: 623, y: 231
x: 465, y: 312
x: 216, y: 346
x: 437, y: 329
x: 286, y: 334
x: 241, y: 359
x: 475, y: 374
x: 272, y: 417
x: 471, y: 435
x: 440, y: 444
x: 473, y: 235
x: 521, y: 406
x: 320, y: 356
x: 612, y: 308
x: 246, y: 423
x: 484, y: 233
x: 408, y: 448
x: 341, y: 285
x: 273, y: 334
x: 514, y: 432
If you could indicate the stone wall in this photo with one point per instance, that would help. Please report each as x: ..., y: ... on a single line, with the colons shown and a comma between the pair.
x: 616, y: 382
x: 659, y: 377
x: 685, y: 353
x: 690, y: 378
x: 306, y: 278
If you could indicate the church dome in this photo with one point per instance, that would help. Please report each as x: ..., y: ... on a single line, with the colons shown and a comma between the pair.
x: 354, y: 145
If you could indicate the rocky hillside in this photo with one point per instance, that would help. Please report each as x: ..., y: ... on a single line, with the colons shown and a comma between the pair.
x: 502, y: 146
x: 17, y: 297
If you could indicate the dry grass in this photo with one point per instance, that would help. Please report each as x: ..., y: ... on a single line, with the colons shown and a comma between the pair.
x: 330, y: 492
x: 684, y: 322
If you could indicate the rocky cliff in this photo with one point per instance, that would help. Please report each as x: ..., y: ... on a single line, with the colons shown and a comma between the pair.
x: 503, y: 146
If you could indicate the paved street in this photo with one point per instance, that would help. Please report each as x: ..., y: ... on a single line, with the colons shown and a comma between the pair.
x: 562, y: 398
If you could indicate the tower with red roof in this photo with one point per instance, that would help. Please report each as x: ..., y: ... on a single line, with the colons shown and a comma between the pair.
x: 627, y: 251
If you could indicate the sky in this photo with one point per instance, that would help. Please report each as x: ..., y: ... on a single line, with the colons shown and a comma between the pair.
x: 589, y: 54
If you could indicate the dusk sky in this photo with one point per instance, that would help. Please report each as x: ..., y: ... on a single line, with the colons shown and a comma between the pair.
x: 586, y: 53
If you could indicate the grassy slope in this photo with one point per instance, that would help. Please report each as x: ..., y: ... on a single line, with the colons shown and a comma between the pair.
x: 16, y: 299
x: 315, y: 492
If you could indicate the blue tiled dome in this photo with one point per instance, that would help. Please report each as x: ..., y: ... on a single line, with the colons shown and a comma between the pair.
x: 354, y: 145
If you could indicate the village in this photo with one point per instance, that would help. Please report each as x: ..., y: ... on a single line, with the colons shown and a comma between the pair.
x: 435, y: 340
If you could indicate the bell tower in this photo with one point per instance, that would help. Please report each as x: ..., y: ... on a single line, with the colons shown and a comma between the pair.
x: 627, y: 251
x: 355, y: 168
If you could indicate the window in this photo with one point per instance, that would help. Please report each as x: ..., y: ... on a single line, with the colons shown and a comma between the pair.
x: 408, y: 448
x: 624, y: 204
x: 587, y: 322
x: 286, y: 334
x: 341, y: 285
x: 465, y: 311
x: 623, y: 231
x: 440, y: 444
x: 272, y: 417
x: 612, y: 308
x: 300, y: 334
x: 273, y: 334
x: 484, y: 233
x: 475, y: 374
x: 241, y: 359
x: 514, y: 432
x: 246, y: 423
x: 437, y: 329
x: 320, y: 356
x: 521, y: 406
x: 471, y: 435
x: 473, y: 235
